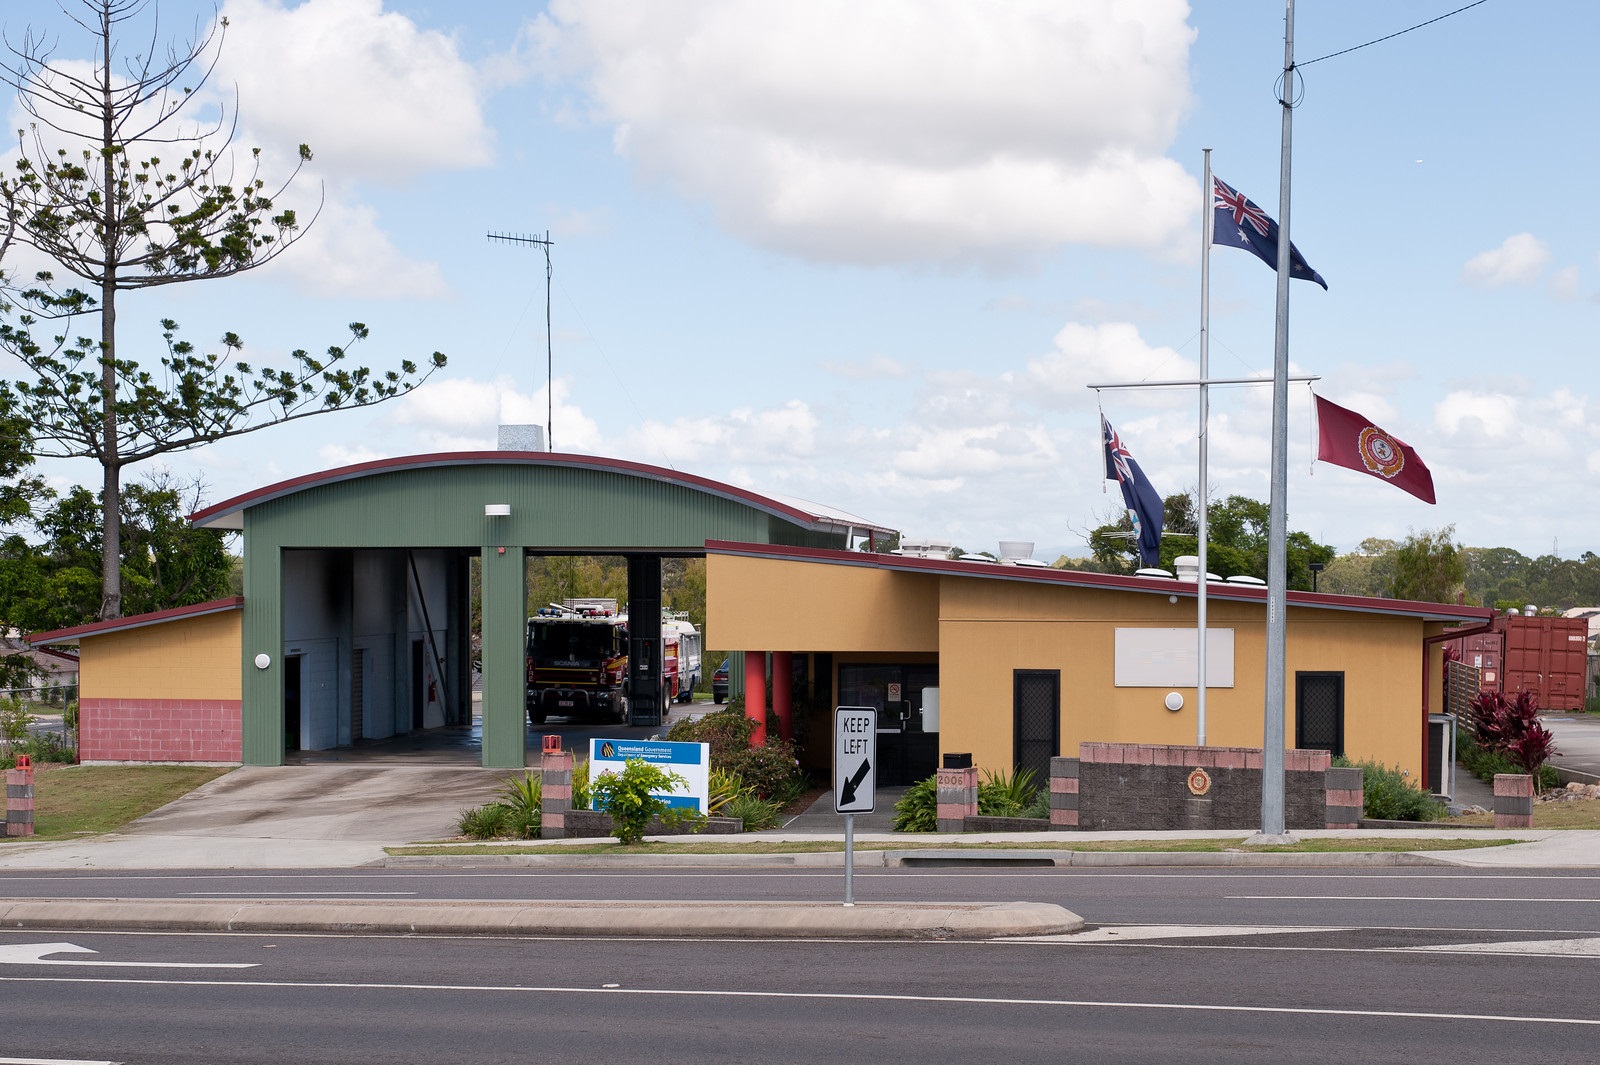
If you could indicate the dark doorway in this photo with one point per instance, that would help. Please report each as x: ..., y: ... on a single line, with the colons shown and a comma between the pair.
x: 291, y: 703
x: 1036, y: 720
x: 1319, y: 712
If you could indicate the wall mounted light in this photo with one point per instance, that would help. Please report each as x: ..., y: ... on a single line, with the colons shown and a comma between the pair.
x: 497, y: 510
x: 263, y: 661
x: 1173, y: 702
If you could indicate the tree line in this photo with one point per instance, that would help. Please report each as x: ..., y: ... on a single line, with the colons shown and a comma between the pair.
x: 1428, y: 566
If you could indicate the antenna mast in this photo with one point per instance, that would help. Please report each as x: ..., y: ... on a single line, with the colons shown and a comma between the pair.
x: 549, y: 351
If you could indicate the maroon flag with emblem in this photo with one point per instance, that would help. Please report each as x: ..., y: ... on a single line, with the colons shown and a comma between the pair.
x: 1348, y: 439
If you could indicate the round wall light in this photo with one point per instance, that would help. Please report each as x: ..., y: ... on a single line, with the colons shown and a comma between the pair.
x: 263, y: 661
x: 1173, y: 702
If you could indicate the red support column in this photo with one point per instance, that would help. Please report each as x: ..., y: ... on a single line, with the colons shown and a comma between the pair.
x: 783, y: 692
x: 755, y: 695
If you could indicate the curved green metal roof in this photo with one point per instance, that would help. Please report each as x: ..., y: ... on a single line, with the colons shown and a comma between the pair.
x: 563, y: 501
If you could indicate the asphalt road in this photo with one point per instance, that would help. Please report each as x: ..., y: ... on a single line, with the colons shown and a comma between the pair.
x: 1126, y: 993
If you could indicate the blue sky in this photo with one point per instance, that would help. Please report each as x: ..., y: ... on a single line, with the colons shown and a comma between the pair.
x: 870, y: 253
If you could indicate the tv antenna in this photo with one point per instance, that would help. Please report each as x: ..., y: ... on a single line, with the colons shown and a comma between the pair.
x: 549, y: 353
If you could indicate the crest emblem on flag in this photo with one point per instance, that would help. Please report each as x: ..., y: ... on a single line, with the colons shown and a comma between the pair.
x: 1379, y: 453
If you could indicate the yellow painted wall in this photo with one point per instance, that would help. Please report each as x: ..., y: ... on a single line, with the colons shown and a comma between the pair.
x: 188, y: 658
x: 991, y: 628
x: 755, y: 604
x: 983, y: 629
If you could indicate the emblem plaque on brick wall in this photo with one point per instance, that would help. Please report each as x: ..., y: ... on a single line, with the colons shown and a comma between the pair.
x: 1199, y: 782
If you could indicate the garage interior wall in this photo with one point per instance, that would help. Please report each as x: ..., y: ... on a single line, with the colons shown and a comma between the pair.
x: 377, y: 625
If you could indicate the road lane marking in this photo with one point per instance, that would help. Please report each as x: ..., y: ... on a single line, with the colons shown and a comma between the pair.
x: 36, y: 954
x: 1396, y: 898
x: 1543, y: 948
x: 53, y: 1061
x: 1137, y: 933
x: 834, y: 996
x: 296, y: 894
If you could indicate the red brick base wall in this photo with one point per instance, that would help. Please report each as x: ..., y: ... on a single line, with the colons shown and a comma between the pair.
x: 160, y: 730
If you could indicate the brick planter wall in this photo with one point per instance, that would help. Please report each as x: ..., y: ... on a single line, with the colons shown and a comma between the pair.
x: 160, y: 730
x: 1121, y: 786
x: 1513, y: 800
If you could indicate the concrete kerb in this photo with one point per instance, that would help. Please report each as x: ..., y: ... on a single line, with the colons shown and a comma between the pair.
x: 732, y: 920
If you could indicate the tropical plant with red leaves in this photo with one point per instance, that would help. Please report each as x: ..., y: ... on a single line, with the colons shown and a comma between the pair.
x: 1511, y: 726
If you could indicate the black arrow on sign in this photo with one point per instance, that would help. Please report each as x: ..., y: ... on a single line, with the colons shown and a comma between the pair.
x: 847, y: 794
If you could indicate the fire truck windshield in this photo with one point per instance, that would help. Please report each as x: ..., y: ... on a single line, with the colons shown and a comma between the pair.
x: 572, y: 642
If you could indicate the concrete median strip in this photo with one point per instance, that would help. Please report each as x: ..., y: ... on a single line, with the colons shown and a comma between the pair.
x: 732, y: 920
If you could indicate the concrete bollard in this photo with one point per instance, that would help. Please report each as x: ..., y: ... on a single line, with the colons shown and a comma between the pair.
x: 1513, y: 800
x: 555, y: 793
x: 1063, y: 793
x: 957, y: 793
x: 1345, y: 797
x: 19, y: 798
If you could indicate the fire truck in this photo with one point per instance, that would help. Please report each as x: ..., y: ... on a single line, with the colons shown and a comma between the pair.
x: 577, y: 660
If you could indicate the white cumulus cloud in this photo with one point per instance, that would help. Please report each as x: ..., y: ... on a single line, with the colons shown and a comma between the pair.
x: 901, y: 130
x: 376, y: 97
x: 1518, y: 261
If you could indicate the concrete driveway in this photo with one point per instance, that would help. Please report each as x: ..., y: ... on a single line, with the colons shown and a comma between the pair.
x: 281, y: 817
x: 1577, y: 740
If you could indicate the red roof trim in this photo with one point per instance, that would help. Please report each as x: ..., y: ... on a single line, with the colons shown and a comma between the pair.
x: 1109, y: 581
x: 525, y: 458
x: 137, y: 621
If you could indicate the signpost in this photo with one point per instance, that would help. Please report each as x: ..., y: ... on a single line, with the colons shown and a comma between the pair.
x: 855, y: 777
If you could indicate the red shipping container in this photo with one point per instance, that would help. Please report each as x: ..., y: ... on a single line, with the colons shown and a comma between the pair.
x: 1547, y: 656
x: 1484, y: 652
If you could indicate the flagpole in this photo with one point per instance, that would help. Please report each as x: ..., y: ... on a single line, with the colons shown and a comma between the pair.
x: 1207, y: 220
x: 1272, y: 738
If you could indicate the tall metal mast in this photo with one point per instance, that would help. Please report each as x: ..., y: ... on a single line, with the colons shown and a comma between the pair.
x: 1272, y: 731
x: 549, y: 351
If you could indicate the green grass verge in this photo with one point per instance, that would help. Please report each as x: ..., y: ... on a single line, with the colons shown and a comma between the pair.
x: 1582, y: 814
x: 824, y: 846
x: 78, y: 801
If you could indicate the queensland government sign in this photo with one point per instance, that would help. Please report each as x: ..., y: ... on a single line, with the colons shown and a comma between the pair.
x: 691, y: 761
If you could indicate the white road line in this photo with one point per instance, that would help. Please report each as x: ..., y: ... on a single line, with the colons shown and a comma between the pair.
x: 831, y: 996
x: 1083, y: 872
x: 53, y: 1061
x: 1399, y: 898
x: 1138, y: 933
x: 293, y: 894
x: 1542, y: 948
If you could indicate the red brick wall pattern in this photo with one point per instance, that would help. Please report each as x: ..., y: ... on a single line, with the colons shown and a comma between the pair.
x: 160, y: 730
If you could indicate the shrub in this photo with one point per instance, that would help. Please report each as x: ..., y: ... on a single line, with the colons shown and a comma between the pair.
x: 48, y: 747
x: 1389, y: 795
x: 1003, y: 795
x: 723, y: 788
x: 1510, y: 726
x: 483, y: 822
x: 580, y: 785
x: 14, y: 722
x: 918, y: 809
x: 522, y: 797
x: 726, y: 730
x: 755, y: 813
x: 771, y: 772
x: 1484, y: 764
x: 627, y: 797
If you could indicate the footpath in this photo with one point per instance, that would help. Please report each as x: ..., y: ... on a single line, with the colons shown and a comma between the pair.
x: 344, y: 817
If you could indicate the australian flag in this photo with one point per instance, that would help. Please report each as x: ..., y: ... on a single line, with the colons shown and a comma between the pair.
x: 1241, y: 224
x: 1143, y: 502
